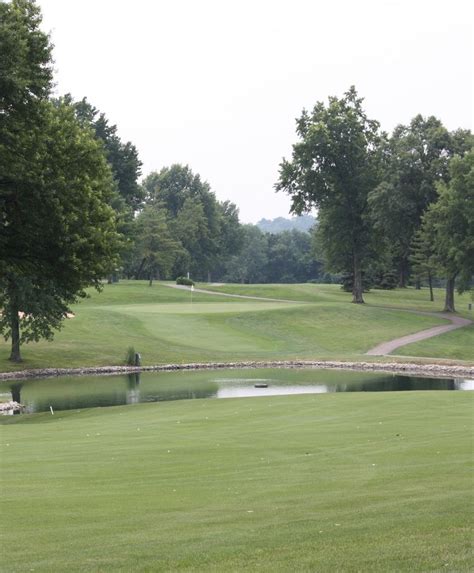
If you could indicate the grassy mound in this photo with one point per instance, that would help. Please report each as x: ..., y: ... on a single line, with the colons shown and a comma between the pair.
x: 169, y: 325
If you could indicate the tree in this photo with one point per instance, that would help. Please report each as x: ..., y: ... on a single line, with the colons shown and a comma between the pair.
x: 123, y: 157
x: 422, y: 258
x: 58, y: 232
x: 334, y: 166
x: 126, y: 169
x: 26, y: 68
x: 25, y: 78
x: 417, y: 158
x: 194, y: 214
x: 157, y: 250
x: 450, y: 221
x: 290, y: 258
x: 231, y: 235
x: 249, y: 265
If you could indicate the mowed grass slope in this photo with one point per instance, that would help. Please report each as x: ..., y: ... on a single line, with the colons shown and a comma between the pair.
x: 168, y: 326
x: 457, y: 345
x: 336, y: 482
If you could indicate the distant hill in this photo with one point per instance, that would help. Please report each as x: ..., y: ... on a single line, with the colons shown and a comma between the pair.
x: 302, y: 223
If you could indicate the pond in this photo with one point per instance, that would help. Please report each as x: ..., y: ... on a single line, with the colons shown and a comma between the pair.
x: 67, y: 393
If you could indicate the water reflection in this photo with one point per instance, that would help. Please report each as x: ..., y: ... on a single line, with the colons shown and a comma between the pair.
x: 95, y: 391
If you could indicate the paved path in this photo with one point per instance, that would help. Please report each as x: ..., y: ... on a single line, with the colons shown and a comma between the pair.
x: 391, y: 345
x: 384, y: 347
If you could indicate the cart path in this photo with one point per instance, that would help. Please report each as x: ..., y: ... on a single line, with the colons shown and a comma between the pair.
x: 387, y: 347
x: 384, y: 347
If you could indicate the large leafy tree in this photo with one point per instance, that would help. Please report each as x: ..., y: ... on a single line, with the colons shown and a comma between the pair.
x: 155, y: 246
x: 126, y: 169
x: 205, y: 227
x: 26, y: 69
x: 334, y: 166
x: 25, y: 78
x: 122, y: 156
x: 57, y: 230
x: 450, y: 224
x: 417, y: 157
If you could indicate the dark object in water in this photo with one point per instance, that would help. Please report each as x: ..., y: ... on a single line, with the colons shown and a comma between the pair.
x: 260, y: 386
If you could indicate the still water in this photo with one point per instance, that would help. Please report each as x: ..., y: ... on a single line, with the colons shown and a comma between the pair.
x: 66, y: 393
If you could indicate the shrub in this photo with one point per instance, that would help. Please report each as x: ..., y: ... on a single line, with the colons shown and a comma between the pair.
x: 184, y: 281
x: 130, y: 356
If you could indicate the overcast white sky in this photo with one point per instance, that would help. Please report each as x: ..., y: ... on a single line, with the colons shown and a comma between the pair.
x: 217, y: 84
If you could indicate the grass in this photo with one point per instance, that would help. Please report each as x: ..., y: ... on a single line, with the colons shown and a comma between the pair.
x: 335, y: 482
x: 408, y: 298
x: 165, y: 326
x: 455, y: 345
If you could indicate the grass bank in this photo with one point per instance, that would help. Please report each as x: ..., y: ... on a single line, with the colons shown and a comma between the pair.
x: 172, y: 326
x: 335, y: 482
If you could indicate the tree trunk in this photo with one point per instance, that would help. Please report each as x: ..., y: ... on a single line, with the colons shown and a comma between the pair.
x: 402, y: 277
x: 208, y: 276
x: 418, y: 284
x: 150, y: 279
x: 15, y: 355
x: 357, y: 288
x: 430, y: 282
x: 449, y: 302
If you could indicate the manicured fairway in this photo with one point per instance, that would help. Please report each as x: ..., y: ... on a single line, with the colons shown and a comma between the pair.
x: 165, y: 325
x: 335, y: 482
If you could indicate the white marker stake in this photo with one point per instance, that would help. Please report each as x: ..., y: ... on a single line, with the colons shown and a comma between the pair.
x: 51, y: 408
x: 192, y: 290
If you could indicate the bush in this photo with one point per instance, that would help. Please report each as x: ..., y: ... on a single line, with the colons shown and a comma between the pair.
x: 184, y: 281
x: 130, y: 356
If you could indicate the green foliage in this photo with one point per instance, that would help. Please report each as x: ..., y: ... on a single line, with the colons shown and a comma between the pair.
x: 450, y: 225
x: 156, y: 249
x: 347, y: 282
x: 130, y: 356
x: 122, y: 157
x: 208, y: 230
x: 250, y: 264
x: 47, y: 266
x: 58, y: 233
x: 26, y: 67
x: 184, y: 281
x: 335, y: 164
x: 290, y: 259
x: 416, y: 159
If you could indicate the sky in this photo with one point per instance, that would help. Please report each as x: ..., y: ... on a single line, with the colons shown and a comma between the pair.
x: 218, y: 84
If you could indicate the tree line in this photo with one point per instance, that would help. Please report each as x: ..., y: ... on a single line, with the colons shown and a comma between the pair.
x: 73, y: 210
x: 388, y: 205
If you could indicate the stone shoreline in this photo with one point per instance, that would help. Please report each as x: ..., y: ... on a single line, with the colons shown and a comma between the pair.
x: 430, y: 370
